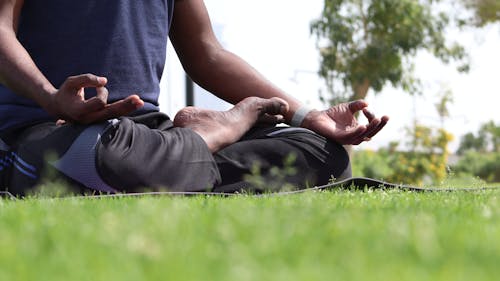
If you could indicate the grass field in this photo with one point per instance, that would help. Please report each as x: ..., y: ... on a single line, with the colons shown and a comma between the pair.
x: 332, y: 235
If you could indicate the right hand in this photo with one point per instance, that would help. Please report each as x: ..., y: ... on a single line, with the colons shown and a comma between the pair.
x: 339, y: 123
x: 68, y: 102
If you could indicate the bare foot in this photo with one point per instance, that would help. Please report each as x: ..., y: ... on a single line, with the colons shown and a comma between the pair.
x: 222, y: 128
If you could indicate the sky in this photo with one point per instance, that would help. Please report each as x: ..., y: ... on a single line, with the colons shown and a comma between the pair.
x: 274, y: 37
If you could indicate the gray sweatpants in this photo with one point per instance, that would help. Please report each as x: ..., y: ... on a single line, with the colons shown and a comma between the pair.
x: 147, y: 152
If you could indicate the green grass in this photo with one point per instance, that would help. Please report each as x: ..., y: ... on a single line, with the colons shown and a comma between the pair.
x: 339, y: 235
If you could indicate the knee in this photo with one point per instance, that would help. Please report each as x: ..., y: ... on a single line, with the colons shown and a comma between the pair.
x: 339, y: 160
x: 132, y: 158
x: 325, y: 159
x: 335, y: 163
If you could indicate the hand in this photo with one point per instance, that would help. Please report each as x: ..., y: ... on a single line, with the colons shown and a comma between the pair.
x: 68, y: 102
x: 338, y: 123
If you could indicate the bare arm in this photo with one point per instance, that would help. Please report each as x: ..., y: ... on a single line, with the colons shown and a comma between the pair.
x: 19, y: 73
x: 232, y: 79
x: 210, y: 65
x: 17, y: 69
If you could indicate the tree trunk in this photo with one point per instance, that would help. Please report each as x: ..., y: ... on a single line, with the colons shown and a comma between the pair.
x: 359, y: 92
x: 360, y: 89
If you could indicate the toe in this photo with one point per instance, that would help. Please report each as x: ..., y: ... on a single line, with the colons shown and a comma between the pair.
x: 275, y: 106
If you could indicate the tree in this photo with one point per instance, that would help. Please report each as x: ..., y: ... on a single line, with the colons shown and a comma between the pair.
x: 425, y: 158
x: 471, y: 142
x: 492, y: 132
x: 446, y: 98
x: 484, y: 11
x: 486, y: 141
x: 366, y: 43
x: 480, y: 153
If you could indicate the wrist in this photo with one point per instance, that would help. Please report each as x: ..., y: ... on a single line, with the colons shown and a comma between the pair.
x: 45, y: 98
x: 299, y: 115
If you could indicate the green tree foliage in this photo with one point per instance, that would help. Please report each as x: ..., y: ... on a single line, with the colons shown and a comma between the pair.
x: 484, y: 11
x: 480, y: 153
x: 486, y: 140
x: 442, y: 107
x: 470, y: 142
x: 366, y: 43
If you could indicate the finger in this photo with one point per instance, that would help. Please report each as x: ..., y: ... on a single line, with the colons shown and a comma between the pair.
x: 60, y: 122
x: 371, y: 129
x: 116, y: 109
x: 355, y: 106
x: 356, y: 142
x: 372, y: 126
x: 98, y: 102
x: 85, y: 80
x: 369, y: 115
x: 102, y: 94
x: 271, y: 119
x: 381, y: 125
x: 93, y: 104
x: 353, y: 135
x: 358, y: 137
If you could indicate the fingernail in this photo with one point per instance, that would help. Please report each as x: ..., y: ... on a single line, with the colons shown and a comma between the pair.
x: 102, y: 80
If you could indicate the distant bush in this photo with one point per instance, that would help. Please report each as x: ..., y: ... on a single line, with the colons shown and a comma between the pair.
x: 486, y: 166
x: 424, y: 162
x: 371, y: 164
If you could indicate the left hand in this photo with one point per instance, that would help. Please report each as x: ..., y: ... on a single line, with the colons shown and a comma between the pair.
x: 338, y: 123
x: 68, y: 102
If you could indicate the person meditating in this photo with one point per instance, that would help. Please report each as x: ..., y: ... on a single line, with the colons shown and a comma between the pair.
x: 79, y: 86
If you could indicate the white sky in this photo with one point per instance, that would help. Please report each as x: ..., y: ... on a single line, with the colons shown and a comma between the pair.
x: 273, y: 36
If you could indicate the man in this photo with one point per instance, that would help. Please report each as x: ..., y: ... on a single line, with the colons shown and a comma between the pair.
x: 80, y: 96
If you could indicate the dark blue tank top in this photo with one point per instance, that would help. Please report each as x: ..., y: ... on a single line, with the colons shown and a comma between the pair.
x: 123, y: 40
